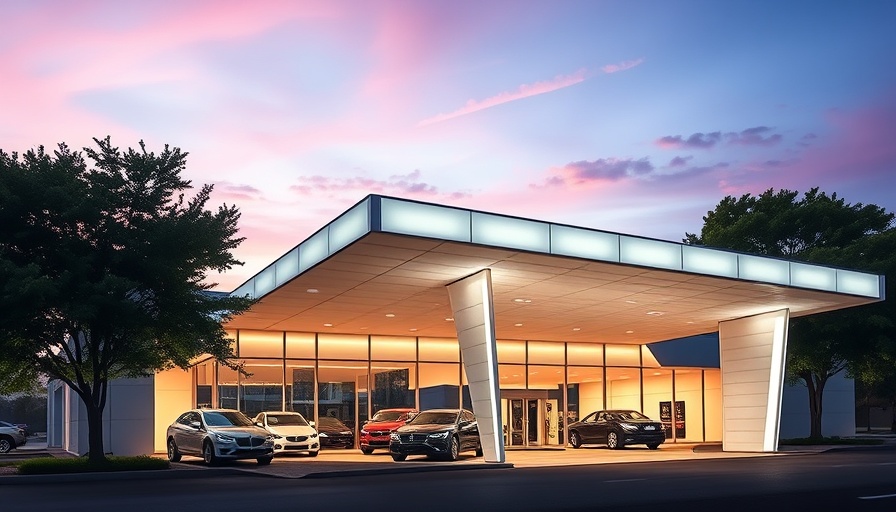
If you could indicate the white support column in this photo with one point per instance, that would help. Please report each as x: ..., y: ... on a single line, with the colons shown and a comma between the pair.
x: 471, y: 302
x: 752, y: 353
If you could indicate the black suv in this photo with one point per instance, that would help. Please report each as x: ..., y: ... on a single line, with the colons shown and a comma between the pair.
x: 437, y: 433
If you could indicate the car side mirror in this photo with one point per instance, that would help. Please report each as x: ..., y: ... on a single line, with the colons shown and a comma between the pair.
x: 196, y: 425
x: 311, y: 423
x: 260, y: 424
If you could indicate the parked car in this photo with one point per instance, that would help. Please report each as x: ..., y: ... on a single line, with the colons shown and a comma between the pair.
x: 292, y: 432
x: 442, y: 433
x: 216, y: 435
x: 334, y: 433
x: 375, y: 433
x: 11, y: 437
x: 616, y: 429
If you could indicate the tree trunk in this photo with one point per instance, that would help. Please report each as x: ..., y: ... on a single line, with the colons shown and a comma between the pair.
x: 96, y: 452
x: 815, y: 385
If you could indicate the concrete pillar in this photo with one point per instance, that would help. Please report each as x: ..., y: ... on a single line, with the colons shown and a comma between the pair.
x: 471, y: 302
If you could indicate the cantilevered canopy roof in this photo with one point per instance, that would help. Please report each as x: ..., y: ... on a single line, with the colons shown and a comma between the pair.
x: 382, y: 266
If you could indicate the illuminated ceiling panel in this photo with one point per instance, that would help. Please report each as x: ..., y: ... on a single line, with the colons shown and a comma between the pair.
x: 389, y: 256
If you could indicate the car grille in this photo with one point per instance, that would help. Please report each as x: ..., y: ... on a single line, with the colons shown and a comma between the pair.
x: 296, y: 439
x: 412, y: 438
x: 250, y: 441
x: 378, y: 433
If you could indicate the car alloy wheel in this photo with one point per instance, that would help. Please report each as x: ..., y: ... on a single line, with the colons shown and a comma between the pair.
x: 173, y: 453
x: 208, y: 453
x: 5, y: 445
x: 612, y: 440
x: 575, y: 440
x: 454, y: 449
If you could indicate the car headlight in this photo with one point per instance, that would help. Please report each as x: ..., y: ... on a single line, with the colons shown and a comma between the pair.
x: 393, y: 436
x: 224, y: 439
x: 628, y: 427
x: 323, y: 435
x: 439, y: 435
x: 313, y: 435
x: 275, y: 436
x: 346, y: 432
x: 363, y: 432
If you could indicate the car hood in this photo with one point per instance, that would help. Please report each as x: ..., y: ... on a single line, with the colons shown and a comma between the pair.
x: 424, y: 429
x: 292, y: 430
x: 383, y: 425
x: 240, y: 431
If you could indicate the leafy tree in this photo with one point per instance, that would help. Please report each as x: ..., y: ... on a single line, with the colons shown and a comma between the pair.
x: 103, y: 270
x: 821, y: 229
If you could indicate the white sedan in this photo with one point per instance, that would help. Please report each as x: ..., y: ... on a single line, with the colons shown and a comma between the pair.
x: 292, y: 433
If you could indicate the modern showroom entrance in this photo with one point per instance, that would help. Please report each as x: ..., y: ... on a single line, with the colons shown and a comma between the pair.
x: 530, y: 419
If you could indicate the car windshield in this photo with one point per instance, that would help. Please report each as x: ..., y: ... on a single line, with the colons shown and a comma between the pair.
x: 434, y: 418
x: 389, y: 416
x: 5, y: 424
x: 327, y: 421
x: 630, y: 415
x: 226, y: 419
x: 287, y: 419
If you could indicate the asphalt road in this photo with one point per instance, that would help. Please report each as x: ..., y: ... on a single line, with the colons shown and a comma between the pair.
x: 856, y: 480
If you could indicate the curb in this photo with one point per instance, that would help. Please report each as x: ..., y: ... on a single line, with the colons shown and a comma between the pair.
x: 147, y: 474
x: 406, y: 469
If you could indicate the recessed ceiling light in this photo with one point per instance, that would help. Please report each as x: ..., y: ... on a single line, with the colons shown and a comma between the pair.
x: 655, y: 313
x: 577, y: 328
x: 312, y: 290
x: 328, y: 325
x: 517, y: 325
x: 629, y: 332
x: 522, y: 301
x: 449, y: 319
x: 362, y: 328
x: 390, y: 315
x: 413, y: 330
x: 632, y: 301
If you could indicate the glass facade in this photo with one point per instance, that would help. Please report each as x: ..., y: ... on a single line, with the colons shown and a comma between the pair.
x: 544, y: 385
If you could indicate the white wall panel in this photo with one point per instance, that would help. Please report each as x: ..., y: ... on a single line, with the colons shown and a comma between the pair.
x: 752, y: 353
x: 473, y: 312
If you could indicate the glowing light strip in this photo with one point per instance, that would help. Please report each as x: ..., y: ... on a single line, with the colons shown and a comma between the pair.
x: 775, y: 383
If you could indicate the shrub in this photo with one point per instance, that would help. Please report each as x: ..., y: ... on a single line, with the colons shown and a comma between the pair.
x: 52, y: 465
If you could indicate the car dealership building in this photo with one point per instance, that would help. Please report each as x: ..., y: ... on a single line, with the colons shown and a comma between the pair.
x: 530, y: 324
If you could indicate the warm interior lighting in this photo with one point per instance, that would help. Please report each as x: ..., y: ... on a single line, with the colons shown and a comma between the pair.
x: 312, y: 290
x: 577, y: 328
x: 655, y: 313
x: 390, y: 315
x: 517, y: 325
x: 328, y: 325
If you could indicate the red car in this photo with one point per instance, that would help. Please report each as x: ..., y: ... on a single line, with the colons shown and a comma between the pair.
x: 375, y: 433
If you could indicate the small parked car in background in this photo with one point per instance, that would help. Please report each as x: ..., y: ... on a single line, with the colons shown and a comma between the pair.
x: 216, y: 435
x: 442, y: 433
x: 11, y: 437
x: 292, y: 432
x: 616, y: 429
x: 334, y: 433
x: 375, y: 433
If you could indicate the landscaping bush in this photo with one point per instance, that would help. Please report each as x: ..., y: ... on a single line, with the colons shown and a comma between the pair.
x: 51, y: 465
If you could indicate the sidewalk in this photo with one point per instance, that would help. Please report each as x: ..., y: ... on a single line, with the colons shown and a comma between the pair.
x: 342, y: 463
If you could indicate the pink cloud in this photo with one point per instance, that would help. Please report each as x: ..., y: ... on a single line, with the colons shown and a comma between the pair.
x: 601, y: 170
x: 757, y: 136
x: 523, y: 91
x: 404, y: 185
x: 622, y: 66
x: 695, y: 141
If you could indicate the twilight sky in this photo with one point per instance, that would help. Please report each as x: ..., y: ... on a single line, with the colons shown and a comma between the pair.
x: 632, y: 116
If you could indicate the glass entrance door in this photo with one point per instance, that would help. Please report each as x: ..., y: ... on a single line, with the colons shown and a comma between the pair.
x: 524, y: 426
